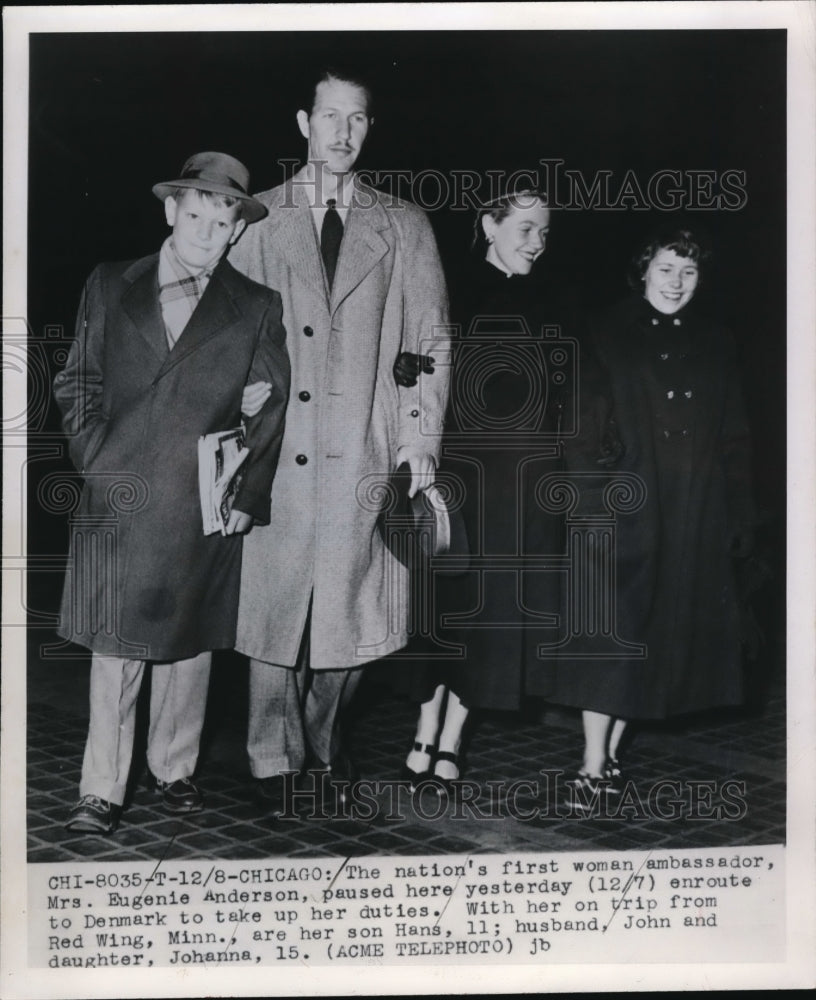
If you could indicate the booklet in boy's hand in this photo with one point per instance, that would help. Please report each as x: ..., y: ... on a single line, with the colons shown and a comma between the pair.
x: 220, y: 460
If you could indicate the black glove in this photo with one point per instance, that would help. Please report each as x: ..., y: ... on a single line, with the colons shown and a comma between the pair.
x: 408, y: 367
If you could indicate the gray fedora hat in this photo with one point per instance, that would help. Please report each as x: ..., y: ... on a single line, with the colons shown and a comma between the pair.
x: 218, y: 173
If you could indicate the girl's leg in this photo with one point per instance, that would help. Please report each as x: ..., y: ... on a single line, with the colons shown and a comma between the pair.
x: 451, y: 736
x: 596, y: 732
x: 426, y: 731
x: 615, y: 735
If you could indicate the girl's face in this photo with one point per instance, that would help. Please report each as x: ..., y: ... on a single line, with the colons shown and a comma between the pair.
x: 670, y: 281
x: 519, y: 239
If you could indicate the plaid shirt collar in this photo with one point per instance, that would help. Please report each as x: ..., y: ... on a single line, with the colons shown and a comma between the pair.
x: 176, y: 280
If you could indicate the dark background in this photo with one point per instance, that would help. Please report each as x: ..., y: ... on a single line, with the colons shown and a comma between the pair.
x: 112, y: 114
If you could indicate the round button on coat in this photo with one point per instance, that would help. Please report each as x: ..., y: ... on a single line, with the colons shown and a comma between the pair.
x: 301, y: 459
x: 308, y: 331
x: 304, y: 396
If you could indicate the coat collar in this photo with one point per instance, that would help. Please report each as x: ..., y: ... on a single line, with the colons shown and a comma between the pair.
x: 216, y: 310
x: 363, y: 246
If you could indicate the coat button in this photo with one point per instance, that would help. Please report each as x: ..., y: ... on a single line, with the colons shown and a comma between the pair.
x: 301, y: 459
x: 664, y: 357
x: 308, y: 331
x: 304, y: 396
x: 414, y: 413
x: 688, y: 393
x: 670, y: 394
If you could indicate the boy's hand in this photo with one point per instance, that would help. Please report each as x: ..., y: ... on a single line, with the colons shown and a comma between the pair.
x: 254, y: 397
x: 239, y: 522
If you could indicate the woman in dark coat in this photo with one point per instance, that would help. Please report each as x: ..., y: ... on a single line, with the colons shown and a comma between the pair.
x: 679, y: 413
x: 508, y: 390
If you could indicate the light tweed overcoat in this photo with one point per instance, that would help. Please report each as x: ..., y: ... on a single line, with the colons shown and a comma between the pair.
x: 345, y: 422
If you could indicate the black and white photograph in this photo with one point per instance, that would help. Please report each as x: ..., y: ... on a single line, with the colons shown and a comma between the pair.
x: 408, y: 480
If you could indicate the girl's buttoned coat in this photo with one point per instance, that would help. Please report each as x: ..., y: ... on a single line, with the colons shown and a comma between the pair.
x: 143, y: 581
x: 680, y: 415
x: 345, y: 423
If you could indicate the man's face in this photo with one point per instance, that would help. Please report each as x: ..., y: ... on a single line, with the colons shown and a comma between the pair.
x: 337, y: 126
x: 202, y: 229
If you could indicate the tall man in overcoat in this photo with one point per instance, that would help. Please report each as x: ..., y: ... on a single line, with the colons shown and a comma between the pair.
x: 321, y: 595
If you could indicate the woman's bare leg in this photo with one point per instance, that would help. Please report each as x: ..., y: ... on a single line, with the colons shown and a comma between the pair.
x: 450, y: 738
x: 426, y: 731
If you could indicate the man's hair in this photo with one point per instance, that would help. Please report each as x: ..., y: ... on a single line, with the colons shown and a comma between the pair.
x: 215, y: 197
x: 343, y: 74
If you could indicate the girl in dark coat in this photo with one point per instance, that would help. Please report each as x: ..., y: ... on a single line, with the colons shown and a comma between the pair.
x: 507, y: 394
x: 679, y: 412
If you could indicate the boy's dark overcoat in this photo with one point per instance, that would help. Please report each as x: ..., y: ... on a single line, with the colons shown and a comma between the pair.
x: 143, y: 580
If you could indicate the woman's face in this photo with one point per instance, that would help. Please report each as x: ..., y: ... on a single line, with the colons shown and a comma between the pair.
x: 519, y: 239
x: 670, y: 281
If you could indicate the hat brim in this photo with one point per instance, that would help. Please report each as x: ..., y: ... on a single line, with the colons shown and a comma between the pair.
x: 419, y: 528
x: 252, y: 210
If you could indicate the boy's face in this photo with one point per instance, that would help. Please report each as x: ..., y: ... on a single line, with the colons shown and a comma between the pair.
x: 202, y: 229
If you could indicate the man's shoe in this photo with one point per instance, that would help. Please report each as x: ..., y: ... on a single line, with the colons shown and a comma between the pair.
x: 93, y: 815
x: 333, y: 781
x: 180, y: 796
x: 342, y: 768
x: 273, y: 796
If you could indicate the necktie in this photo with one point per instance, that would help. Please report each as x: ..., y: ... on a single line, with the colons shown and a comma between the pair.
x: 331, y: 234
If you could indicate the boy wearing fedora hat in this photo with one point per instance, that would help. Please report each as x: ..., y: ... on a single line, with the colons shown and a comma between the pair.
x: 164, y: 347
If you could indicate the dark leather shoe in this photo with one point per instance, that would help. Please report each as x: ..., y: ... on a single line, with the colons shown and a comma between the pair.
x: 93, y: 815
x: 343, y: 768
x: 274, y: 796
x: 333, y: 781
x: 180, y: 796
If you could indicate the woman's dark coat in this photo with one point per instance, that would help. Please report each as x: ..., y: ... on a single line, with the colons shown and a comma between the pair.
x: 511, y: 397
x: 143, y: 580
x: 679, y: 413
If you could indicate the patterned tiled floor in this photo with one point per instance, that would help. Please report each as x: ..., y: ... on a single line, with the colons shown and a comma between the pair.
x: 738, y: 746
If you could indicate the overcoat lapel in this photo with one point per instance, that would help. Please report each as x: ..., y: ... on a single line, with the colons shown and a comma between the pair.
x: 296, y: 232
x: 361, y: 250
x: 141, y: 302
x: 212, y: 315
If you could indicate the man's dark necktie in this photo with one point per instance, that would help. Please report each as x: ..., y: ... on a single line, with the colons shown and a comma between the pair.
x: 331, y: 235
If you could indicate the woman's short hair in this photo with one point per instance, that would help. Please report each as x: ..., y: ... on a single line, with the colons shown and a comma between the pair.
x: 499, y: 208
x: 682, y: 241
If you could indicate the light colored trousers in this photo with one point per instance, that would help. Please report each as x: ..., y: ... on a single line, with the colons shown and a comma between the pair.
x: 178, y: 699
x: 283, y: 721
